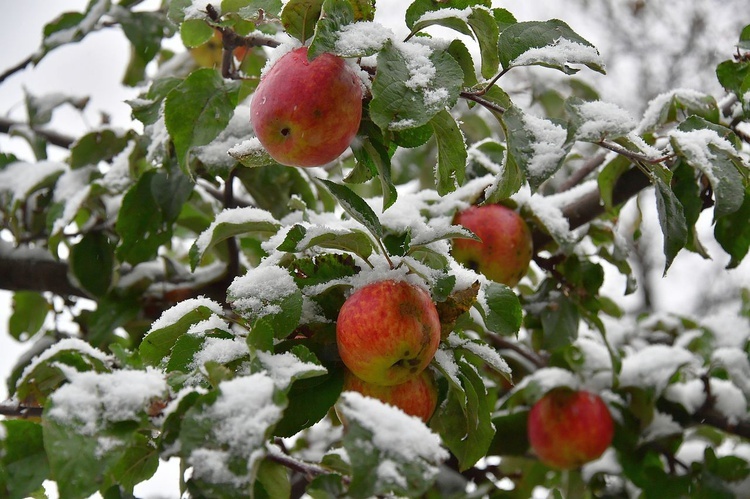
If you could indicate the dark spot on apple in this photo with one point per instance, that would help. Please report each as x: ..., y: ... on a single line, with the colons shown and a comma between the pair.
x: 285, y: 131
x: 473, y: 265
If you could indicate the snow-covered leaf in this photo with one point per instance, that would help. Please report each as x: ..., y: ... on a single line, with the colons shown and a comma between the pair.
x: 537, y: 145
x: 413, y: 83
x: 666, y: 108
x: 268, y: 292
x: 302, y: 237
x: 389, y: 450
x: 482, y: 350
x: 72, y: 27
x: 173, y: 323
x: 334, y: 15
x: 653, y: 366
x: 233, y: 222
x: 552, y: 44
x: 594, y: 121
x: 705, y: 147
x: 287, y: 367
x: 455, y: 19
x: 223, y: 434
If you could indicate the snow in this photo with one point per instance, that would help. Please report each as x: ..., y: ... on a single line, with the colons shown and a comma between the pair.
x: 209, y: 325
x: 246, y: 148
x: 240, y: 417
x: 233, y: 216
x: 220, y: 350
x: 656, y: 112
x: 481, y: 350
x: 63, y: 345
x: 695, y: 145
x: 360, y: 38
x: 255, y: 293
x: 72, y: 189
x: 177, y: 312
x: 462, y: 14
x: 445, y: 360
x: 737, y: 365
x: 20, y: 178
x: 562, y: 52
x: 285, y: 368
x: 545, y: 379
x: 215, y: 153
x: 654, y: 365
x: 661, y: 426
x: 603, y: 120
x: 729, y: 400
x: 92, y: 400
x: 394, y: 433
x: 197, y: 9
x: 548, y: 146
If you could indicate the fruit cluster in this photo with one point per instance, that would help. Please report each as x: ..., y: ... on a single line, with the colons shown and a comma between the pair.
x: 306, y: 113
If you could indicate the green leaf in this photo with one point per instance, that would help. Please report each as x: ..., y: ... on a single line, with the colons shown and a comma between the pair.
x: 147, y: 212
x: 356, y: 207
x: 197, y: 110
x: 97, y: 146
x: 137, y: 464
x: 252, y: 222
x: 160, y: 339
x: 334, y: 15
x: 458, y: 50
x: 195, y: 32
x: 272, y: 187
x: 607, y: 179
x: 464, y: 420
x: 451, y: 167
x: 30, y: 310
x: 23, y: 460
x: 92, y: 263
x: 733, y: 232
x: 147, y: 108
x: 671, y: 220
x: 402, y: 97
x: 551, y: 44
x: 145, y: 31
x: 310, y: 400
x: 322, y: 268
x: 537, y: 145
x: 503, y: 314
x: 734, y: 76
x: 485, y: 27
x: 300, y: 16
x: 560, y: 319
x: 274, y: 479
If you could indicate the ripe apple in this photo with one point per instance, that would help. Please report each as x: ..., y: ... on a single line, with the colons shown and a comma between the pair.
x: 306, y: 113
x: 387, y: 332
x: 505, y: 249
x: 568, y: 428
x: 416, y: 397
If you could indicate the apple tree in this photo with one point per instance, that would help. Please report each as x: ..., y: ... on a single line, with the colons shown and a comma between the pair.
x: 181, y: 289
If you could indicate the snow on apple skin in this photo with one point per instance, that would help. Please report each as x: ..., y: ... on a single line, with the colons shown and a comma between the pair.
x: 568, y: 428
x: 388, y: 332
x: 416, y: 397
x: 505, y: 249
x: 306, y: 113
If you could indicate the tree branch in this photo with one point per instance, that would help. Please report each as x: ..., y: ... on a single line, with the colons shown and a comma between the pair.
x: 55, y: 138
x: 15, y: 69
x: 34, y: 269
x: 11, y: 410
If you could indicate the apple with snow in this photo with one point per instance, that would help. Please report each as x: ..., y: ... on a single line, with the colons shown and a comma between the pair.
x: 387, y: 332
x: 568, y: 428
x: 306, y: 112
x: 416, y: 397
x: 505, y: 249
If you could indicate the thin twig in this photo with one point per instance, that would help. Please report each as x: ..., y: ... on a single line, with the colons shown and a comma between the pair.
x: 15, y: 69
x: 483, y: 102
x: 635, y: 156
x: 489, y: 85
x: 502, y: 344
x: 577, y: 176
x: 12, y: 410
x: 54, y: 138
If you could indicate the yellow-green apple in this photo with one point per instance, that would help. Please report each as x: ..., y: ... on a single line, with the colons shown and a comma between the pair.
x: 505, y: 249
x: 306, y: 113
x: 387, y: 332
x: 416, y: 397
x: 568, y: 428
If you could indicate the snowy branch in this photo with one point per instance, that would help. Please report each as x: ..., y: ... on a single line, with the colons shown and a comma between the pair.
x: 55, y: 138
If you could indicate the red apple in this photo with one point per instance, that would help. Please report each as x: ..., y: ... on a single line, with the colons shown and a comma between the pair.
x: 568, y: 428
x: 505, y: 249
x: 387, y: 332
x: 416, y: 397
x: 306, y: 113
